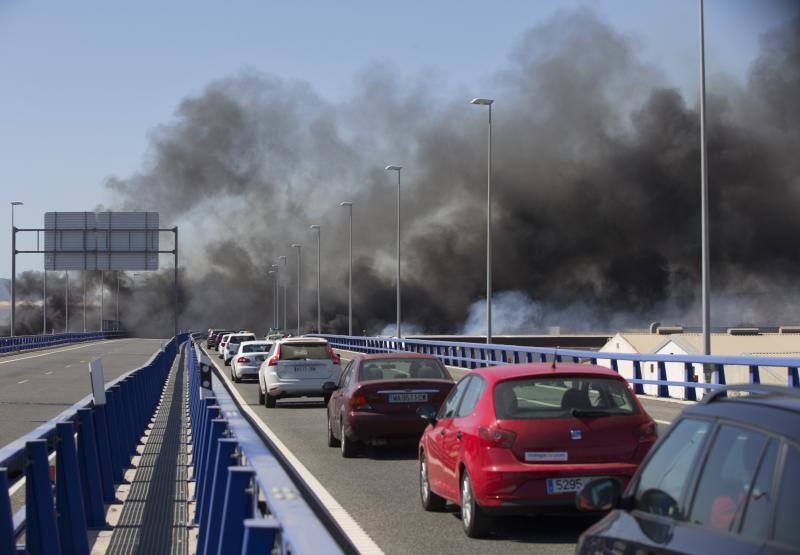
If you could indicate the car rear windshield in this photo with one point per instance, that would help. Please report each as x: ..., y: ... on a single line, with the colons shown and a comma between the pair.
x: 304, y: 351
x: 402, y: 369
x: 256, y: 348
x: 529, y: 398
x: 241, y: 338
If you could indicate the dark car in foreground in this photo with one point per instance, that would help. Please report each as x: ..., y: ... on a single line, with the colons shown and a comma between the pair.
x: 377, y: 398
x: 724, y: 479
x: 523, y: 438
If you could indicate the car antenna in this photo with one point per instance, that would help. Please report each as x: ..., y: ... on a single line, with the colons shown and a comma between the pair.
x: 555, y: 356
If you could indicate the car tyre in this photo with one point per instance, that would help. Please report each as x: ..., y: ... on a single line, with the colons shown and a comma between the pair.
x: 332, y: 441
x: 261, y: 399
x: 430, y: 501
x: 475, y: 521
x: 270, y: 402
x: 349, y: 447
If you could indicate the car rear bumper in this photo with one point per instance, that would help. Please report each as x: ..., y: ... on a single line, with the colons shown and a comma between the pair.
x: 304, y: 388
x: 522, y: 488
x: 246, y: 370
x: 366, y: 426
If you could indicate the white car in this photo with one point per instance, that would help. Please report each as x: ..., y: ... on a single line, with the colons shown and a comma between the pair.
x: 297, y: 367
x: 221, y: 344
x: 232, y: 345
x: 247, y: 360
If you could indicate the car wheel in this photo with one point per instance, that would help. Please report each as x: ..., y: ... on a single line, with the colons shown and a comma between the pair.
x: 270, y: 401
x: 430, y: 501
x: 349, y: 447
x: 332, y: 441
x: 260, y: 395
x: 476, y: 523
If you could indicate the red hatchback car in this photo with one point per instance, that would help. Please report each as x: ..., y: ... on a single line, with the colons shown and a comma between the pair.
x: 524, y: 438
x: 377, y: 398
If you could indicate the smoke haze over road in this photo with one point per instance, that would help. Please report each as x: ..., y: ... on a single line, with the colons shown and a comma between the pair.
x: 596, y: 192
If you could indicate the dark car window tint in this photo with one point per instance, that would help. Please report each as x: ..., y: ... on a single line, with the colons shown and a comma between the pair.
x: 787, y: 530
x: 448, y: 409
x: 300, y: 351
x: 402, y: 369
x: 534, y: 398
x: 345, y: 380
x: 471, y: 396
x: 256, y: 348
x: 663, y: 479
x: 757, y: 511
x: 726, y: 478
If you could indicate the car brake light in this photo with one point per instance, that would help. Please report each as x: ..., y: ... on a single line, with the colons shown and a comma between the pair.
x: 359, y: 402
x: 334, y: 357
x: 647, y: 432
x: 240, y: 360
x: 492, y: 436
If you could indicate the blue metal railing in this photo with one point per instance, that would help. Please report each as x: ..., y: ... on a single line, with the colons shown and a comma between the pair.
x: 687, y: 368
x: 247, y: 500
x: 93, y: 445
x: 26, y: 342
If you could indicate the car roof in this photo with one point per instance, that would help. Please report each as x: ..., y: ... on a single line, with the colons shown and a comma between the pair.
x: 394, y: 356
x: 318, y: 340
x: 540, y: 369
x: 256, y: 341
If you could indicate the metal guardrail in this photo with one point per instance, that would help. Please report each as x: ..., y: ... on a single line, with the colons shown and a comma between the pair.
x: 93, y: 445
x: 249, y: 499
x: 27, y: 342
x: 474, y: 355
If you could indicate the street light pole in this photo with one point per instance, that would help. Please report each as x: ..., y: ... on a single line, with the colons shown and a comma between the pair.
x: 117, y: 307
x: 349, y: 206
x: 706, y: 306
x: 298, y: 247
x: 66, y: 301
x: 44, y: 301
x: 13, y: 268
x: 285, y: 316
x: 83, y: 279
x: 399, y: 316
x: 488, y: 102
x: 274, y: 275
x: 319, y: 276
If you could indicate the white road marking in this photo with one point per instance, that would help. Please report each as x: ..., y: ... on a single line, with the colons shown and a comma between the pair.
x: 357, y: 535
x: 60, y: 351
x: 23, y: 381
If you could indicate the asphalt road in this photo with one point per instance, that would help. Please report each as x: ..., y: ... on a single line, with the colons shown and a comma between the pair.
x: 36, y: 386
x: 379, y: 488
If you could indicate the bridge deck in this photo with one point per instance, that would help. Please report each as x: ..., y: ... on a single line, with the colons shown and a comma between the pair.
x: 154, y: 517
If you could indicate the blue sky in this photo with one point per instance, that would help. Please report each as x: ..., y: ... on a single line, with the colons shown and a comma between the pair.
x: 83, y: 83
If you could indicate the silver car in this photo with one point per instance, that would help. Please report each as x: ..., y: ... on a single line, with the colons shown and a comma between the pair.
x: 297, y: 367
x: 247, y: 360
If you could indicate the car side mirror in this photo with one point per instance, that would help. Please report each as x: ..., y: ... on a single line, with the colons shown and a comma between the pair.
x: 427, y: 412
x: 602, y: 494
x: 329, y: 387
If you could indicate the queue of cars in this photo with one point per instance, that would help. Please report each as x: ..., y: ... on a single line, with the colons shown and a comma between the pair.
x: 532, y: 438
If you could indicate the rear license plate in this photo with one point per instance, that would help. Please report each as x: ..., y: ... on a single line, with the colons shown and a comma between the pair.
x: 566, y: 485
x: 408, y: 397
x: 305, y: 369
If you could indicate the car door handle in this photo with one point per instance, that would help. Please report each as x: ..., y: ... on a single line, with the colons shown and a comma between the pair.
x: 458, y: 435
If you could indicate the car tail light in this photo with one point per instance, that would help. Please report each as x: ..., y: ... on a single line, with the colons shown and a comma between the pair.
x: 647, y: 432
x: 492, y: 436
x: 334, y: 357
x: 359, y: 402
x: 240, y: 360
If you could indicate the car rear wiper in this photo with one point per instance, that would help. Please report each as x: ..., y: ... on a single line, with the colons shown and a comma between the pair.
x: 590, y: 413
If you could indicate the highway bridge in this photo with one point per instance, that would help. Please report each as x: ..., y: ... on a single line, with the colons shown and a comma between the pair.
x: 172, y: 409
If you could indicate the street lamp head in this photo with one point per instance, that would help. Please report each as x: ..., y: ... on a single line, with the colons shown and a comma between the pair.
x: 345, y: 204
x: 16, y: 203
x: 394, y: 168
x: 274, y: 266
x: 314, y: 227
x: 271, y: 271
x: 296, y: 246
x: 482, y: 101
x: 282, y: 257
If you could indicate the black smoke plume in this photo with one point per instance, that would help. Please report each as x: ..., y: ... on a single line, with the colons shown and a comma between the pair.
x: 596, y: 192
